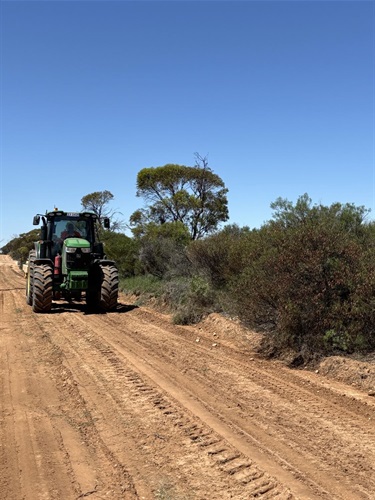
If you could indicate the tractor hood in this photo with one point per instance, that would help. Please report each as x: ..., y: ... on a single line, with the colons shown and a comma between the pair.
x: 76, y: 243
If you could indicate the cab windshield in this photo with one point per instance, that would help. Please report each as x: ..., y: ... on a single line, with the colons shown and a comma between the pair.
x: 71, y: 227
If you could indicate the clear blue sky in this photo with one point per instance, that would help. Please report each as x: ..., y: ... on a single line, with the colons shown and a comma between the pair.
x: 278, y: 94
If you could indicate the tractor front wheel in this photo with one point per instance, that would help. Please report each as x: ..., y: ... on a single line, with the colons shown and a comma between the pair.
x: 109, y: 291
x: 42, y: 288
x: 102, y: 294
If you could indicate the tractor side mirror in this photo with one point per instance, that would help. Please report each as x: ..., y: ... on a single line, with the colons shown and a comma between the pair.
x: 106, y: 222
x: 36, y: 220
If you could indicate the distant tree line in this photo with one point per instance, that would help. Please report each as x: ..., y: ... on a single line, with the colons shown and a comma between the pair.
x: 19, y: 247
x: 306, y: 278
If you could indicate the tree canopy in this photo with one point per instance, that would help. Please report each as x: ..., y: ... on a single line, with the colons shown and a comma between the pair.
x: 98, y: 202
x: 347, y: 215
x: 195, y: 196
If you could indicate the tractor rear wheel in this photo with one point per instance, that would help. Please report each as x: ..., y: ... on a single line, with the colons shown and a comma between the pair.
x: 42, y: 288
x: 30, y: 277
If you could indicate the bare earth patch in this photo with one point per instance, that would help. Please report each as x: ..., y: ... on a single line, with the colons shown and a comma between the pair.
x: 127, y: 405
x: 359, y: 374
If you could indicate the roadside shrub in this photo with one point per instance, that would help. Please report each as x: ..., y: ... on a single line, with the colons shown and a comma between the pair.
x: 211, y: 256
x: 190, y: 299
x: 123, y: 250
x: 360, y: 309
x: 142, y: 285
x: 306, y: 281
x: 162, y: 250
x: 163, y: 258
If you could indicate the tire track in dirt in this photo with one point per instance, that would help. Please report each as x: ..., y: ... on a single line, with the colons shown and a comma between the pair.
x: 32, y: 462
x: 130, y: 388
x: 290, y: 385
x: 210, y: 414
x: 311, y: 424
x: 49, y: 447
x: 127, y: 405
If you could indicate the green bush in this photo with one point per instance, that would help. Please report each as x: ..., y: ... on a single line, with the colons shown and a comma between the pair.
x: 212, y: 256
x: 188, y: 299
x: 146, y: 285
x: 162, y: 250
x: 123, y: 250
x: 303, y: 279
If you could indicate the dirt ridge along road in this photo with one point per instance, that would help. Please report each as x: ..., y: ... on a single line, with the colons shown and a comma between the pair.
x: 127, y: 405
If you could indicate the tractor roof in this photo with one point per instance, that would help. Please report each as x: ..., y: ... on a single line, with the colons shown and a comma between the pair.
x: 60, y: 213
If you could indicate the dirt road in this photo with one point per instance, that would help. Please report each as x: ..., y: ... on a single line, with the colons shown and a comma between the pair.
x: 127, y: 405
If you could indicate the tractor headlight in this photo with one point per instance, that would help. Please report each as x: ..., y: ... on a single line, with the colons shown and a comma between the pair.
x: 70, y: 249
x: 86, y: 250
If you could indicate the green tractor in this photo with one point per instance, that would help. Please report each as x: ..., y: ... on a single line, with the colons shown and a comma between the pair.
x: 68, y: 262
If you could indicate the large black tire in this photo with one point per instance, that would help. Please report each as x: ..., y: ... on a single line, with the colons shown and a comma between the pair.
x: 102, y: 294
x: 30, y: 277
x: 109, y: 289
x: 42, y: 288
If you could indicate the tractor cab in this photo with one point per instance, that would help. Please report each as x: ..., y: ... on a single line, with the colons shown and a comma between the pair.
x: 58, y: 226
x: 64, y: 229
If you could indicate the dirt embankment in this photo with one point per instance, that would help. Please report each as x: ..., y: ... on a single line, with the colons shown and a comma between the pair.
x: 127, y: 405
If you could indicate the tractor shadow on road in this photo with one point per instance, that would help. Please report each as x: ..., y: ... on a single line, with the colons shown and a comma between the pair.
x: 80, y: 307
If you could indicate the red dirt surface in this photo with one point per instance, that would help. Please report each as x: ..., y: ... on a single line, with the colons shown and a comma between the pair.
x: 126, y: 405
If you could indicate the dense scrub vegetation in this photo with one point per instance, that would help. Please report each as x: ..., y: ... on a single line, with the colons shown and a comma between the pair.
x: 306, y: 277
x: 18, y: 248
